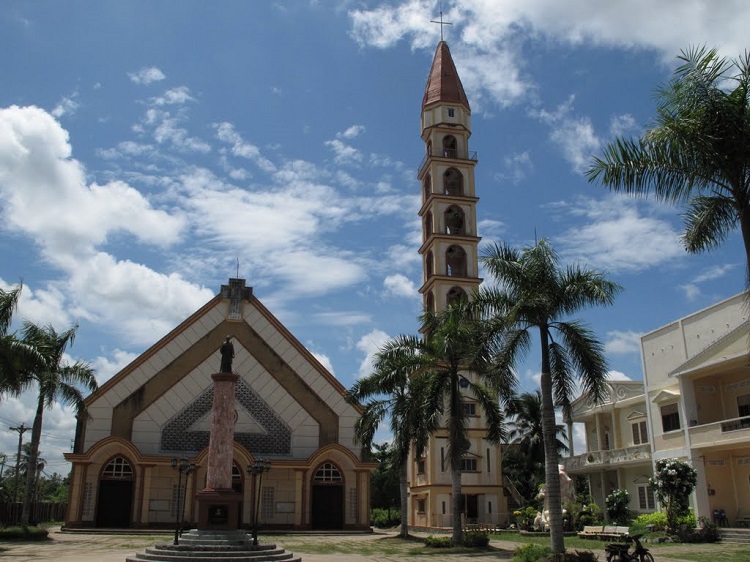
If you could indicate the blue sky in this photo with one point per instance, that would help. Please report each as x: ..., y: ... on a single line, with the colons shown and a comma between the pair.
x: 145, y: 147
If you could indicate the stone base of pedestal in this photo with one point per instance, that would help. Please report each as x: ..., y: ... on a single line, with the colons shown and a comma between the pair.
x: 218, y: 509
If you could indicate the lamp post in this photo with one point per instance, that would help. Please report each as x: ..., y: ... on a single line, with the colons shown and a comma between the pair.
x: 180, y: 465
x: 256, y: 470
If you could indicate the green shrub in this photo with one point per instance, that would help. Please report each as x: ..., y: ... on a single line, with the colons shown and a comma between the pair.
x: 658, y: 519
x: 586, y: 514
x: 17, y: 533
x: 438, y: 542
x: 476, y: 538
x: 381, y: 518
x: 708, y: 532
x: 531, y: 553
x: 617, y: 506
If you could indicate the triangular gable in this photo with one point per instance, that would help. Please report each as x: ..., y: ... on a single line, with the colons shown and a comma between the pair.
x: 664, y: 396
x: 635, y: 414
x: 730, y: 346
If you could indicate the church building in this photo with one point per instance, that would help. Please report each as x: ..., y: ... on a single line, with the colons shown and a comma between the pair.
x: 451, y: 271
x: 289, y: 410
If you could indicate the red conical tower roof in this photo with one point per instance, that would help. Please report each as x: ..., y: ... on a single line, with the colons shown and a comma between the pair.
x: 443, y: 83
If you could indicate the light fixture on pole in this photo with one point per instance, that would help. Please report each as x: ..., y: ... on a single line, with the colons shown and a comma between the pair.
x: 256, y: 470
x: 180, y: 465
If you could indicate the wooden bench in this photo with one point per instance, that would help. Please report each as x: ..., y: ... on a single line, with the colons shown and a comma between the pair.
x: 613, y: 533
x: 591, y: 532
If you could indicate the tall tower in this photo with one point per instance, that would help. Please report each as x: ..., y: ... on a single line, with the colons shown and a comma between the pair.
x: 451, y: 270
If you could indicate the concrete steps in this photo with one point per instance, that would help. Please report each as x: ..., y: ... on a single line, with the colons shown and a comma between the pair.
x: 207, y: 546
x: 735, y: 535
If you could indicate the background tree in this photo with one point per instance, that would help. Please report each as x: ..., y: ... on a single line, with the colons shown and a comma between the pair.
x: 14, y: 354
x: 457, y: 340
x: 391, y: 392
x: 673, y: 482
x: 697, y: 150
x: 523, y: 459
x: 56, y: 381
x: 534, y: 293
x: 385, y: 480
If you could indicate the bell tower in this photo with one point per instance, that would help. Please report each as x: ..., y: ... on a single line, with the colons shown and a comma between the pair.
x: 448, y: 212
x: 450, y: 261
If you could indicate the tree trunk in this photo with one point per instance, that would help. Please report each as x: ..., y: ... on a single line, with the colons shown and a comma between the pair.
x: 456, y: 503
x: 404, y: 489
x: 36, y: 435
x: 552, y: 472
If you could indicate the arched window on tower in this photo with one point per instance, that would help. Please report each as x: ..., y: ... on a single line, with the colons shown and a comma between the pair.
x: 453, y: 182
x: 454, y: 220
x: 449, y: 146
x: 429, y: 302
x: 427, y: 186
x: 455, y: 294
x: 427, y: 224
x: 428, y: 264
x: 429, y: 148
x: 455, y: 261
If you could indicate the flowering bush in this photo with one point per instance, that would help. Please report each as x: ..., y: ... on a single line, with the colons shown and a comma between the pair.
x: 617, y: 507
x: 673, y: 482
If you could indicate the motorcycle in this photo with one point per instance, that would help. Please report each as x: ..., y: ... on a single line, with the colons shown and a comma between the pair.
x: 620, y: 551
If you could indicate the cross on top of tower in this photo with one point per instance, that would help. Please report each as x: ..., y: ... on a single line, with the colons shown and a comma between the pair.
x: 441, y: 22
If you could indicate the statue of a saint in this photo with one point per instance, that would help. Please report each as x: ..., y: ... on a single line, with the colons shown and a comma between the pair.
x: 227, y: 354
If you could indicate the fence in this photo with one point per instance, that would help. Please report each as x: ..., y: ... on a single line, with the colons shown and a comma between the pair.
x: 41, y: 512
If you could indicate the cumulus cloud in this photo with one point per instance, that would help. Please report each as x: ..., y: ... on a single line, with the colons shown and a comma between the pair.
x: 344, y: 153
x: 370, y: 344
x: 619, y: 234
x: 622, y: 342
x: 175, y: 96
x: 488, y: 36
x: 66, y: 106
x: 352, y: 132
x: 399, y: 286
x: 147, y: 75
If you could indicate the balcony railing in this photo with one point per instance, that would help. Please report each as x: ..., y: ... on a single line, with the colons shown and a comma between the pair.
x: 447, y: 153
x: 594, y: 459
x: 721, y: 431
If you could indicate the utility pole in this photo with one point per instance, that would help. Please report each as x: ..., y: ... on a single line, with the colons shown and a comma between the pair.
x: 21, y: 430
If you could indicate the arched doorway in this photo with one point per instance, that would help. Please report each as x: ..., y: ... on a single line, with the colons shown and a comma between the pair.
x: 328, y: 498
x: 115, y: 499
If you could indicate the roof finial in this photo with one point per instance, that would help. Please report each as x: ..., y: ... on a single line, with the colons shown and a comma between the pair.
x: 441, y: 22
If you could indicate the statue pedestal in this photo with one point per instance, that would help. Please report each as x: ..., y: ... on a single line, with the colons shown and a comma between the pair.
x: 218, y: 509
x: 218, y: 503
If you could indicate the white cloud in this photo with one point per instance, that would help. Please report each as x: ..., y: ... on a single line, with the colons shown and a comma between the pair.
x: 343, y: 318
x: 618, y: 376
x: 66, y: 106
x: 517, y: 166
x: 619, y: 342
x: 352, y: 132
x: 692, y: 289
x: 147, y: 75
x: 46, y: 196
x: 325, y: 361
x: 106, y: 367
x: 574, y: 136
x: 623, y: 125
x: 344, y: 153
x: 617, y: 235
x: 175, y: 96
x: 399, y: 286
x: 226, y: 132
x: 487, y: 34
x: 370, y: 344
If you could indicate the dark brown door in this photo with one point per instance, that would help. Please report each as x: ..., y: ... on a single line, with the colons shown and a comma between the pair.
x: 115, y: 503
x: 327, y: 507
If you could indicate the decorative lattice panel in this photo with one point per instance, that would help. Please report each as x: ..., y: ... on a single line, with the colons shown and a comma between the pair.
x: 275, y: 440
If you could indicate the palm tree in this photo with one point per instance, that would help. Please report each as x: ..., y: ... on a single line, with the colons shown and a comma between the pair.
x: 458, y: 350
x: 697, y: 151
x: 13, y: 353
x: 57, y: 381
x: 534, y: 293
x: 390, y: 392
x: 523, y: 461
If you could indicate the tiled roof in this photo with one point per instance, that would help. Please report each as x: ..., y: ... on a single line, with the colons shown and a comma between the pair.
x: 443, y: 83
